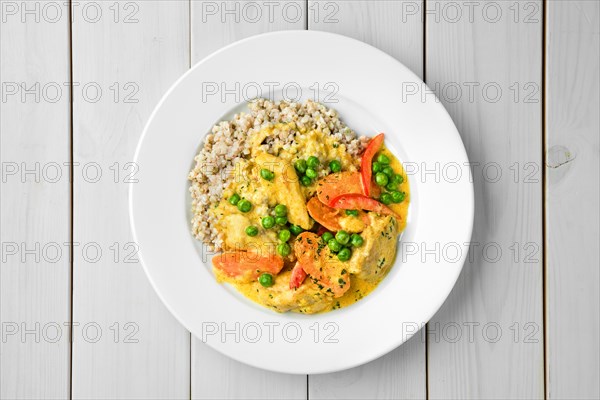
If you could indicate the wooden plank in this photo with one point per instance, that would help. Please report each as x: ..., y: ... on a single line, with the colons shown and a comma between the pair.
x: 35, y: 288
x: 214, y: 25
x: 572, y: 193
x: 399, y: 374
x: 395, y: 27
x: 131, y: 52
x: 487, y: 339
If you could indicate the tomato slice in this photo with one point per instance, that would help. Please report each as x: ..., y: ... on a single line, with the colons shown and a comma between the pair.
x: 321, y: 264
x: 324, y: 215
x: 339, y: 183
x: 366, y: 171
x: 359, y: 201
x: 246, y: 264
x: 305, y: 248
x: 298, y: 276
x: 336, y: 184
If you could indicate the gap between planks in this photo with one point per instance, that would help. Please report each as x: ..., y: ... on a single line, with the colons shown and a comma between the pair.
x: 71, y: 195
x: 543, y: 168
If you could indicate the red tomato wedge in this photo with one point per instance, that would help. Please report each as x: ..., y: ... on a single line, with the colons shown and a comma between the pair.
x: 324, y: 215
x: 339, y: 183
x: 322, y: 230
x: 247, y: 264
x: 298, y: 276
x: 366, y: 171
x: 361, y: 202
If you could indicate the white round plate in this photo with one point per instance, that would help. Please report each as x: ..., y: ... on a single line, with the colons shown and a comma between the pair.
x: 373, y: 93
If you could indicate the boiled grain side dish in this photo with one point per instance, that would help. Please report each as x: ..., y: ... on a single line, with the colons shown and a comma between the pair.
x: 304, y: 212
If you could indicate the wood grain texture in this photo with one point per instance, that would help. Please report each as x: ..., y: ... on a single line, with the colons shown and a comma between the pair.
x: 214, y: 25
x: 215, y: 376
x: 144, y: 46
x: 395, y: 27
x: 141, y: 48
x: 487, y: 339
x: 35, y: 289
x: 399, y: 374
x: 572, y: 193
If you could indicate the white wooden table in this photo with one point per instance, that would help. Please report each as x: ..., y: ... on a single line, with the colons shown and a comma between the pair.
x: 79, y: 79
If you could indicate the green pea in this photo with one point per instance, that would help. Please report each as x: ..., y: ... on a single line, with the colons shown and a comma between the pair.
x: 381, y: 179
x: 376, y: 167
x: 327, y: 236
x: 284, y: 249
x: 334, y: 245
x: 251, y: 230
x: 296, y: 230
x: 354, y: 213
x: 356, y: 240
x: 285, y: 235
x: 398, y: 179
x: 335, y: 166
x: 266, y: 280
x: 234, y: 199
x: 306, y: 181
x: 268, y: 222
x: 388, y: 171
x: 281, y: 221
x: 280, y: 210
x: 300, y: 166
x: 244, y: 205
x: 391, y: 186
x: 398, y: 197
x: 343, y: 237
x: 313, y: 162
x: 385, y: 198
x: 311, y: 173
x: 266, y: 174
x: 383, y: 159
x: 344, y: 254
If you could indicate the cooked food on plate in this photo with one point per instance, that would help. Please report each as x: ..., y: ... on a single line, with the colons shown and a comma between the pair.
x: 303, y: 214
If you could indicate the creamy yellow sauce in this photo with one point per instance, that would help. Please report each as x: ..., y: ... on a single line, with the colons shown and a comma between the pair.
x: 265, y: 195
x: 359, y: 288
x: 400, y: 208
x: 308, y: 143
